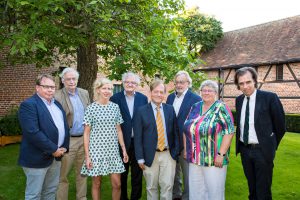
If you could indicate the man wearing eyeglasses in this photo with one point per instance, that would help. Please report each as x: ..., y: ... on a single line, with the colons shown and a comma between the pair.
x: 182, y: 100
x: 45, y: 140
x: 74, y: 100
x: 129, y: 100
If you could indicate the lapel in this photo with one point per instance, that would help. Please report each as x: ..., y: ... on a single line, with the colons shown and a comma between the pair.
x: 184, y: 103
x: 68, y: 102
x: 150, y: 113
x: 42, y: 105
x: 82, y: 98
x: 124, y: 104
x: 239, y: 105
x: 135, y: 105
x: 257, y: 106
x: 166, y: 115
x: 172, y: 98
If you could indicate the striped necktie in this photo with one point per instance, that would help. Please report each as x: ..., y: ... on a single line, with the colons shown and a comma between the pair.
x: 160, y: 131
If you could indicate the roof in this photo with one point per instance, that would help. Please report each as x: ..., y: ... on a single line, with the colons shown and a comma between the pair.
x: 269, y: 43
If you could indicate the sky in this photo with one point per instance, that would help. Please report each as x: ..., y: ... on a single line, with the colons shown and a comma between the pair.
x: 237, y: 14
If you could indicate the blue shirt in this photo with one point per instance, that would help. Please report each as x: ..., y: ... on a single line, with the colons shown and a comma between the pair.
x: 57, y: 117
x: 78, y: 114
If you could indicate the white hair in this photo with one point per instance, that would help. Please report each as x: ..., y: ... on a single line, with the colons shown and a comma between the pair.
x: 131, y: 74
x: 186, y: 75
x: 211, y: 84
x: 67, y: 70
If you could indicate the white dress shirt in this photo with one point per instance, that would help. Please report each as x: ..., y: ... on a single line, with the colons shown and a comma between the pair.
x: 178, y: 101
x: 252, y: 133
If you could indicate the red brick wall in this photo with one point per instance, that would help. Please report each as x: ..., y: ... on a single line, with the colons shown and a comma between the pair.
x: 17, y: 83
x: 281, y: 89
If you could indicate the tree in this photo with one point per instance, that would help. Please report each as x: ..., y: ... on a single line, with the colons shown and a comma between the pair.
x: 201, y: 31
x: 137, y: 35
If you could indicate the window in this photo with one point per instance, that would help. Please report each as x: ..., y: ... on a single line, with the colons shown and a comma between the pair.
x: 279, y: 72
x: 117, y: 88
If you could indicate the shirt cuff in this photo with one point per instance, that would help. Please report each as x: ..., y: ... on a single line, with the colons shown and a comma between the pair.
x: 141, y: 161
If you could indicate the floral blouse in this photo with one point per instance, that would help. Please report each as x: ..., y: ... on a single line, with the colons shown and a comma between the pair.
x: 204, y: 132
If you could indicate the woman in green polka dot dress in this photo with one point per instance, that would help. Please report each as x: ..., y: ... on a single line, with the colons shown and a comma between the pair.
x: 102, y: 136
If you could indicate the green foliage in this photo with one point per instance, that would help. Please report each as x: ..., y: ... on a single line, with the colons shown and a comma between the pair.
x: 9, y: 124
x: 292, y: 122
x: 201, y: 31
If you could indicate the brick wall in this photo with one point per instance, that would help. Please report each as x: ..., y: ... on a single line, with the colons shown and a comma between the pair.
x: 17, y: 83
x: 287, y: 89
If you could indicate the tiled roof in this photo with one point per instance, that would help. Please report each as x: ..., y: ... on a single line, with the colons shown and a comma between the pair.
x: 269, y: 43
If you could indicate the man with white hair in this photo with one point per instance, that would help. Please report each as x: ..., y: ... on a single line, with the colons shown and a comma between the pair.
x: 74, y: 100
x: 129, y: 100
x: 182, y: 100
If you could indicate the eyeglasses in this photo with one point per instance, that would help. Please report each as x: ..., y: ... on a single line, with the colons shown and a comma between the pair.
x: 180, y: 82
x: 69, y: 79
x: 47, y: 87
x: 207, y: 91
x: 130, y: 82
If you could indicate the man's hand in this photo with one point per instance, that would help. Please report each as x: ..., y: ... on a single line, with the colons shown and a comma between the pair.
x: 59, y: 152
x: 142, y: 166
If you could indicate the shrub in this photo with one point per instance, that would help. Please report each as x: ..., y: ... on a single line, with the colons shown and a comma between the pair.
x: 292, y: 122
x: 9, y: 124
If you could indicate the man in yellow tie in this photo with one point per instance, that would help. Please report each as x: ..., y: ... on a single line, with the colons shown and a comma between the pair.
x: 157, y: 143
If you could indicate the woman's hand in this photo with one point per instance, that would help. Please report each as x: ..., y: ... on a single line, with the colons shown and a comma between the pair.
x: 88, y: 163
x: 125, y: 157
x: 219, y: 161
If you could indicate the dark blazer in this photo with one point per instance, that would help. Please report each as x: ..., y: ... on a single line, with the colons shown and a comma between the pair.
x: 269, y: 122
x: 139, y: 100
x: 40, y: 135
x: 189, y: 99
x: 145, y: 139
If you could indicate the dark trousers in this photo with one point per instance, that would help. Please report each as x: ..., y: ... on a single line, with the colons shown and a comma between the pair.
x: 258, y: 172
x: 136, y: 177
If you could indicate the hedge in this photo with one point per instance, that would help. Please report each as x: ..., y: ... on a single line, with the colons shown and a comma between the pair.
x: 292, y: 122
x: 9, y: 124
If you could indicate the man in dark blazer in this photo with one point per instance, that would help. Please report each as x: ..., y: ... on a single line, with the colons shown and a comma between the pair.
x: 129, y: 100
x: 260, y: 128
x: 45, y: 140
x: 157, y: 143
x: 182, y: 100
x: 74, y: 101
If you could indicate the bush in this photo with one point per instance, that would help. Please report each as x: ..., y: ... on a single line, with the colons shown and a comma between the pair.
x: 9, y: 124
x: 292, y: 122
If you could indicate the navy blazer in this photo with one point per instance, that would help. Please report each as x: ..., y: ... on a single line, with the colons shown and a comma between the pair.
x: 145, y: 139
x: 40, y: 135
x: 269, y: 122
x: 127, y: 125
x: 189, y: 99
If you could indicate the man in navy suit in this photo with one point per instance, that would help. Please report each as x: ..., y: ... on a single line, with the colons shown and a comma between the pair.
x: 157, y: 143
x: 129, y: 100
x: 45, y: 140
x: 260, y: 128
x: 182, y: 100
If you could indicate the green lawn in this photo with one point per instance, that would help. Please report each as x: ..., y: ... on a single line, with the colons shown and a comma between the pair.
x: 286, y: 179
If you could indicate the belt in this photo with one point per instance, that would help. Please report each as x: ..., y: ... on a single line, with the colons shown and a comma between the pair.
x: 250, y: 146
x: 165, y: 149
x: 76, y: 135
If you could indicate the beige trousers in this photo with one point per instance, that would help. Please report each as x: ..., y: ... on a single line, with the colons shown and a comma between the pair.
x: 161, y: 173
x: 74, y: 156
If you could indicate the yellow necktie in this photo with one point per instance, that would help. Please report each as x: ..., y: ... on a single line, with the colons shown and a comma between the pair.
x: 160, y: 131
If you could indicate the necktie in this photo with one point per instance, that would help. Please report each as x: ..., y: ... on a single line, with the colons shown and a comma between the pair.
x: 246, y: 124
x: 160, y: 131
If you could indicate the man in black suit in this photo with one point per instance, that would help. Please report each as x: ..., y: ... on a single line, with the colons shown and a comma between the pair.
x: 129, y: 100
x: 156, y: 143
x: 182, y: 100
x: 260, y: 127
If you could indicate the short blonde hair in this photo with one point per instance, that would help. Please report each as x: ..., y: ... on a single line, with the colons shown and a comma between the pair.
x: 99, y: 84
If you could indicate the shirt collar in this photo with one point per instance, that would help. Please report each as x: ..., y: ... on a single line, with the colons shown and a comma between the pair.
x: 154, y: 105
x: 253, y: 95
x: 45, y: 101
x: 76, y: 92
x: 127, y: 95
x: 183, y: 94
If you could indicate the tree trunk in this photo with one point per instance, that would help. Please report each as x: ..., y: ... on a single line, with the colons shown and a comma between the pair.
x: 87, y: 66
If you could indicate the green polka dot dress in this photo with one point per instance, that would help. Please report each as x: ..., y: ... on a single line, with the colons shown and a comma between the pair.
x: 103, y: 143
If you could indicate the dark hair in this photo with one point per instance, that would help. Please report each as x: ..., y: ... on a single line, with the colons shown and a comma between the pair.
x: 242, y: 71
x: 40, y: 77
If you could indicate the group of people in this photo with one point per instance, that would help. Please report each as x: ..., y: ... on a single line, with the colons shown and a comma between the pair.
x: 189, y: 135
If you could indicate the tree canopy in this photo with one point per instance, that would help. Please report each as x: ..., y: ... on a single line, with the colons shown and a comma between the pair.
x: 138, y: 35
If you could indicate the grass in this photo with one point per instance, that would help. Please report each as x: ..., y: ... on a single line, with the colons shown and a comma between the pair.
x: 286, y: 178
